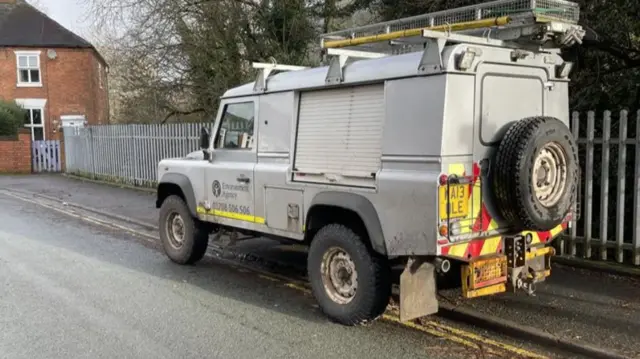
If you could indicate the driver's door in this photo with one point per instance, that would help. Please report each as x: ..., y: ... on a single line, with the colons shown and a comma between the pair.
x: 229, y: 175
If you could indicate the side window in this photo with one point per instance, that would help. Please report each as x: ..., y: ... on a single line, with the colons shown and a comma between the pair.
x: 236, y: 127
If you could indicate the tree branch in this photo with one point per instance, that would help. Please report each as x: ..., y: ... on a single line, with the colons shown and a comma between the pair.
x: 184, y: 113
x: 629, y: 55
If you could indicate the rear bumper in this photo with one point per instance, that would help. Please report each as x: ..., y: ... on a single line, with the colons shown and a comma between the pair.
x: 494, y: 246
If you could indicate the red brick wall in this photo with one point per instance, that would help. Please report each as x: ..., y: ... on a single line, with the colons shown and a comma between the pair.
x: 69, y: 83
x: 15, y: 153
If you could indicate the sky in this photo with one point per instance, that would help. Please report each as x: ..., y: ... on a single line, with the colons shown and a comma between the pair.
x: 69, y: 13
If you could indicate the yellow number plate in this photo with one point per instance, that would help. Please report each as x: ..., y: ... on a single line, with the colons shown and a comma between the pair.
x: 484, y: 277
x: 457, y: 201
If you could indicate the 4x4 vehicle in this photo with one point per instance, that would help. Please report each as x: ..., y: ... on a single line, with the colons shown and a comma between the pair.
x: 434, y: 142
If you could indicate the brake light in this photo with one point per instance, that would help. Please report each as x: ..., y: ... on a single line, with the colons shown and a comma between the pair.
x: 444, y: 179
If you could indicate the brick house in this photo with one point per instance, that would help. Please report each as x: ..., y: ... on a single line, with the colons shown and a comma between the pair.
x: 56, y: 75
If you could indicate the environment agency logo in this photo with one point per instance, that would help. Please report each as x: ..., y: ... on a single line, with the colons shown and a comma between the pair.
x: 217, y: 188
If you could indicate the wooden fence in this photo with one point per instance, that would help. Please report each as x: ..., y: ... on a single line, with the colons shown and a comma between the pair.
x: 46, y: 156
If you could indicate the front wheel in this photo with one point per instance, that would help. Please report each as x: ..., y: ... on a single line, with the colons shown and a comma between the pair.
x: 183, y: 237
x: 350, y: 282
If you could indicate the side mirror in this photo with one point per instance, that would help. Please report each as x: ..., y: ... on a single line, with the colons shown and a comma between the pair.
x: 204, y: 143
x: 204, y: 138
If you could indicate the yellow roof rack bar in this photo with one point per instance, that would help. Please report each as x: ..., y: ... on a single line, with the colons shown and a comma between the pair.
x: 468, y: 25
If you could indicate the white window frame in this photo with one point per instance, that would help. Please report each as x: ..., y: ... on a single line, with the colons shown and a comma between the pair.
x: 35, y: 104
x: 18, y: 68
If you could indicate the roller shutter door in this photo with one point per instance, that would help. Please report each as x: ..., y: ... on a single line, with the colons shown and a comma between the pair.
x: 339, y: 138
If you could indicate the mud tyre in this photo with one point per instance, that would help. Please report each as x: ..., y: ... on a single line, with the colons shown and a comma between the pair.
x: 184, y: 238
x: 536, y: 174
x: 337, y: 259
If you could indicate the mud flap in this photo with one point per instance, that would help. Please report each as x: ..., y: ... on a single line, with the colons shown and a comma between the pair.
x: 418, y: 290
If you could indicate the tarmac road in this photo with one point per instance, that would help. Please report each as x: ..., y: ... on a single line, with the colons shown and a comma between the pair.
x: 599, y: 309
x: 72, y: 290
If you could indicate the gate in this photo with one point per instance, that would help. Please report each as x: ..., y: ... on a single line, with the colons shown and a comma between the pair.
x: 46, y: 156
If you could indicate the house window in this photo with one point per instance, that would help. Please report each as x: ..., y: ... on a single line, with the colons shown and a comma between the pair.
x: 34, y: 121
x: 34, y: 118
x: 29, y: 68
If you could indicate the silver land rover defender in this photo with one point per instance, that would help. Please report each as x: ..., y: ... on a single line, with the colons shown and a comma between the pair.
x: 429, y: 143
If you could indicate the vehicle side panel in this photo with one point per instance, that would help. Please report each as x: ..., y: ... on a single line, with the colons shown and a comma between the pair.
x: 189, y: 175
x: 280, y: 204
x: 184, y: 183
x: 414, y: 109
x: 404, y: 204
x: 557, y: 106
x: 457, y: 122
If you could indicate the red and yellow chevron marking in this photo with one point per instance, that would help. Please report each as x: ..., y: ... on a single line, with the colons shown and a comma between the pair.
x: 480, y: 220
x: 494, y: 245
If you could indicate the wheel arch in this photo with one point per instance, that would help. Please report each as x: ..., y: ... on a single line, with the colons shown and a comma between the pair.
x: 176, y: 184
x: 354, y: 203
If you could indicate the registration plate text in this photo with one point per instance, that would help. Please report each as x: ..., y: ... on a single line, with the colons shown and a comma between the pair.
x: 456, y: 203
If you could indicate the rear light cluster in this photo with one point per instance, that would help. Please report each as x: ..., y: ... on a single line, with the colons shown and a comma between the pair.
x: 453, y: 230
x: 444, y: 179
x: 443, y: 230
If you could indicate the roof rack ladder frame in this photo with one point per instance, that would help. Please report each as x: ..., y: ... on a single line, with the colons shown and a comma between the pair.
x: 267, y: 68
x: 462, y: 38
x: 515, y: 21
x: 338, y: 59
x: 431, y: 61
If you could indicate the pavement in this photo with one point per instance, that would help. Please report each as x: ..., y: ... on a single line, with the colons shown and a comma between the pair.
x: 75, y: 290
x: 578, y: 305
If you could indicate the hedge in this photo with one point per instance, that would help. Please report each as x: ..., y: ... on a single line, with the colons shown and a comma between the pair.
x: 11, y: 118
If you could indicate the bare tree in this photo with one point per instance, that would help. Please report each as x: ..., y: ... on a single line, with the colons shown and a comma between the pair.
x: 179, y: 56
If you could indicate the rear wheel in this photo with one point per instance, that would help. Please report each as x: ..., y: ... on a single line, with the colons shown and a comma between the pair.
x: 350, y: 282
x: 184, y: 238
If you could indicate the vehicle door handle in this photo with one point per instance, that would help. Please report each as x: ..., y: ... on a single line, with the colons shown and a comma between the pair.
x: 243, y: 179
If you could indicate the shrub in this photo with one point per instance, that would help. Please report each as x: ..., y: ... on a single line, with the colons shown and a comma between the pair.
x: 11, y: 118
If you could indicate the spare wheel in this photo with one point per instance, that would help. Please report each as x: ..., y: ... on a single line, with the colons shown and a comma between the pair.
x: 535, y: 174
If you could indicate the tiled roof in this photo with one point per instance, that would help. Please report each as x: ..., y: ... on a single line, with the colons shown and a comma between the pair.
x: 23, y: 25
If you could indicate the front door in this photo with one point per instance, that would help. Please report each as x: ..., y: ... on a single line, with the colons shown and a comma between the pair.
x: 229, y: 176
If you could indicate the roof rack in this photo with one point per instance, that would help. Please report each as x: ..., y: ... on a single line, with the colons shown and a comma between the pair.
x: 267, y: 69
x: 541, y: 23
x: 521, y: 24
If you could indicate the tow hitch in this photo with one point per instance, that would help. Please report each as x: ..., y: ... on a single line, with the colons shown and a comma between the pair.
x: 526, y: 265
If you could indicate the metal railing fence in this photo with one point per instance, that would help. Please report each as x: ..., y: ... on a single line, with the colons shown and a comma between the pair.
x: 127, y: 153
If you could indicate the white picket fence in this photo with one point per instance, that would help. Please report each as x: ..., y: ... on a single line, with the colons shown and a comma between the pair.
x: 127, y: 153
x: 46, y: 156
x: 608, y: 227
